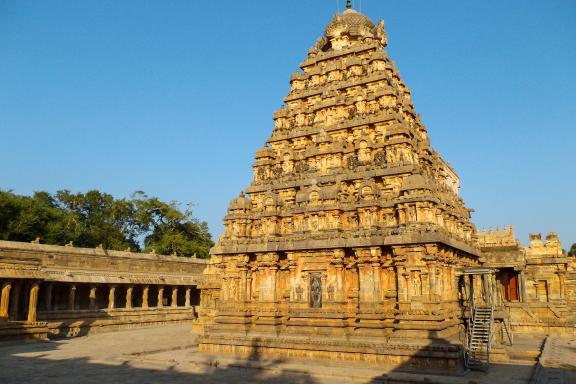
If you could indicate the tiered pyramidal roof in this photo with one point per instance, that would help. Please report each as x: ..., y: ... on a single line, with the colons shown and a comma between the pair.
x: 349, y: 162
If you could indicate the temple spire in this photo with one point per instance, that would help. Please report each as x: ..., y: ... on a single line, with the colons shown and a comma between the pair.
x: 348, y: 4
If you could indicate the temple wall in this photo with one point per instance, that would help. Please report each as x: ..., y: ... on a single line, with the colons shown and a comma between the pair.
x: 397, y: 296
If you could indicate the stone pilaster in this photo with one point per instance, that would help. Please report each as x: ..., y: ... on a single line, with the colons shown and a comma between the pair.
x: 112, y: 297
x: 187, y: 303
x: 160, y: 303
x: 48, y: 296
x: 129, y: 292
x: 5, y: 300
x: 242, y: 266
x: 145, y: 290
x: 72, y: 297
x: 339, y: 268
x: 33, y: 302
x: 174, y: 301
x: 433, y: 294
x: 92, y: 297
x: 293, y: 280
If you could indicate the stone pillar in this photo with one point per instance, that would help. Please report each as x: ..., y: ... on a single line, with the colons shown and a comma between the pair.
x: 486, y: 289
x: 496, y: 290
x: 92, y: 298
x: 522, y: 284
x: 160, y: 296
x: 33, y: 301
x: 129, y: 291
x: 472, y: 290
x: 111, y: 297
x: 145, y: 296
x: 48, y: 295
x: 476, y: 288
x: 5, y: 300
x: 15, y: 301
x: 174, y: 302
x: 188, y: 292
x: 72, y: 297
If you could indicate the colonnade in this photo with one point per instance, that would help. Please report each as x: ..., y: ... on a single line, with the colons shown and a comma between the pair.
x: 22, y: 299
x: 11, y: 305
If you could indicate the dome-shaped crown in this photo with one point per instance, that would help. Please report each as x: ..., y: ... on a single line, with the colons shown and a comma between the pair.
x: 350, y: 21
x: 241, y: 202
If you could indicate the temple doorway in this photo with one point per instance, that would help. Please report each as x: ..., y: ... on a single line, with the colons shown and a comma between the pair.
x: 508, y: 281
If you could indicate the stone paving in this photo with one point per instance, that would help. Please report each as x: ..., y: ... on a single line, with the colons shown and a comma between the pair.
x: 558, y: 362
x: 169, y: 355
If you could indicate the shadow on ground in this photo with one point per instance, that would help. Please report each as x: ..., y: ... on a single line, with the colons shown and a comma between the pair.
x: 56, y: 362
x: 32, y: 363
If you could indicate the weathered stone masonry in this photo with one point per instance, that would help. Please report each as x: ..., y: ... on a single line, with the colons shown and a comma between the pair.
x: 352, y: 241
x: 351, y: 238
x: 66, y: 291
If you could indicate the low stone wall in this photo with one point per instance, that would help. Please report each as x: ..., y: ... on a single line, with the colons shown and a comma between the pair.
x: 23, y: 331
x: 82, y: 322
x: 541, y: 318
x: 407, y: 356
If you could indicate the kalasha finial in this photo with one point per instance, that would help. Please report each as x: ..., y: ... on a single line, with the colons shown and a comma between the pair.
x: 348, y: 4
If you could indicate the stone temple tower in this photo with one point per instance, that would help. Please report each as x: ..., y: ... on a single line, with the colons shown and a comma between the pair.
x: 349, y: 242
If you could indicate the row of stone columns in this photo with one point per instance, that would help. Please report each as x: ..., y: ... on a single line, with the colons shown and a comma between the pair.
x: 10, y: 298
x: 129, y: 297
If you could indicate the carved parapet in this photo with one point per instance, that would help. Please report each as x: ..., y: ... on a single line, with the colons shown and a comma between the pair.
x: 498, y: 238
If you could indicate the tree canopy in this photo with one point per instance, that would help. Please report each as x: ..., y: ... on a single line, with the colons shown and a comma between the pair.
x: 90, y: 219
x: 572, y: 251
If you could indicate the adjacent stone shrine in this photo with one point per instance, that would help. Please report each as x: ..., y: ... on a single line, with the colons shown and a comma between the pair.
x: 350, y: 241
x: 536, y: 285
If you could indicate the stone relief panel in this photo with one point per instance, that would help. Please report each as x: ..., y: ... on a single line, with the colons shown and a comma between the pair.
x: 315, y: 290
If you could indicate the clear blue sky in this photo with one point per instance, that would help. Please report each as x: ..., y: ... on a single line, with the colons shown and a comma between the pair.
x: 174, y: 97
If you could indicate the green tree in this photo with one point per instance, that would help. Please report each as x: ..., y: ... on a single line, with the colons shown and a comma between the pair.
x: 170, y: 230
x: 572, y: 251
x: 93, y: 218
x: 24, y: 218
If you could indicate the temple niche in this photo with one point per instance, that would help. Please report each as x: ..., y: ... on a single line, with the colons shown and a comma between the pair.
x: 351, y: 241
